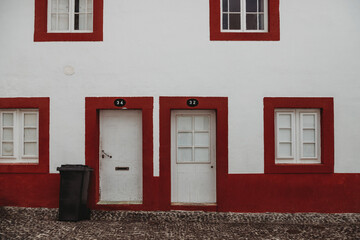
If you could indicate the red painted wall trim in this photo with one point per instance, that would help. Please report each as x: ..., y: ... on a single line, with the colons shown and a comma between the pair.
x: 41, y: 34
x: 323, y: 193
x: 273, y: 33
x: 220, y: 104
x: 43, y: 104
x: 327, y: 134
x: 92, y: 107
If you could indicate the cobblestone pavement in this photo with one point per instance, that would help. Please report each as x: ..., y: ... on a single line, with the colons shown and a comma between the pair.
x: 41, y: 223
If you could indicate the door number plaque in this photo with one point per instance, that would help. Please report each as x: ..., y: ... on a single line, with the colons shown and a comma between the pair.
x: 119, y: 102
x: 192, y: 102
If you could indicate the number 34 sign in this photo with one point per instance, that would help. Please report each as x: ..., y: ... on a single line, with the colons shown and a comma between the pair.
x: 119, y: 102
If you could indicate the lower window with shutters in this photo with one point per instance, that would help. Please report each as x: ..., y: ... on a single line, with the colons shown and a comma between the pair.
x: 19, y: 135
x: 24, y: 135
x: 298, y: 135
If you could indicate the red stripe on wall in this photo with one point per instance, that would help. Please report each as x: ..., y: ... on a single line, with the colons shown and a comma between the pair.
x: 30, y: 190
x: 326, y: 193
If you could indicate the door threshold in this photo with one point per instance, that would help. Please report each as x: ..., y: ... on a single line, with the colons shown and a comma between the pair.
x: 118, y: 203
x: 192, y: 204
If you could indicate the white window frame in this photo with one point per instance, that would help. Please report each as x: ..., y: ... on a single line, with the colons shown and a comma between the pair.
x: 297, y: 136
x: 243, y: 18
x: 18, y: 136
x: 193, y: 131
x: 71, y: 19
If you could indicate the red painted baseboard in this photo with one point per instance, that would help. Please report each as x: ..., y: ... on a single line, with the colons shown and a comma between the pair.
x: 325, y: 193
x: 30, y: 190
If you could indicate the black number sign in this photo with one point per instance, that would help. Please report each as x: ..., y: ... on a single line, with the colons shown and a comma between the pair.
x: 192, y: 102
x: 119, y: 102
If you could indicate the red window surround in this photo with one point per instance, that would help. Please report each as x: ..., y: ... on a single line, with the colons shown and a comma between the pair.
x: 41, y: 34
x: 327, y: 134
x: 92, y: 133
x: 44, y: 115
x: 220, y: 104
x: 273, y: 33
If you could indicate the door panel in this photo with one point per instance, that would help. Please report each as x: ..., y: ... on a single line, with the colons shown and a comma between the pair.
x: 120, y: 157
x: 193, y: 156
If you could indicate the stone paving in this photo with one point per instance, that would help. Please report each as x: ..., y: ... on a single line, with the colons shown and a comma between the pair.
x: 41, y: 223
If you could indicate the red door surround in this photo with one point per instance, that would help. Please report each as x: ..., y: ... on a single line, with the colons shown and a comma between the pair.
x: 92, y: 107
x: 220, y: 104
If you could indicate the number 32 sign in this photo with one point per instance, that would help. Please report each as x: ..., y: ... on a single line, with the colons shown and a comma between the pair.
x: 192, y: 102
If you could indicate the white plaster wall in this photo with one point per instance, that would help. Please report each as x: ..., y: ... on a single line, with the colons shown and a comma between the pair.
x: 162, y: 48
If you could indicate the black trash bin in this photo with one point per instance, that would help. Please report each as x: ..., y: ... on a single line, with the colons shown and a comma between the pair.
x: 74, y: 185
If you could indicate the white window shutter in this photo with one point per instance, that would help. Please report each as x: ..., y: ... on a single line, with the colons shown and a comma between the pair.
x: 285, y: 134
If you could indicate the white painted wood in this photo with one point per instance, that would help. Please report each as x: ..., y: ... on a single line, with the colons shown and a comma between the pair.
x: 193, y: 176
x: 59, y: 9
x: 120, y: 138
x: 243, y: 17
x: 19, y: 140
x: 299, y: 140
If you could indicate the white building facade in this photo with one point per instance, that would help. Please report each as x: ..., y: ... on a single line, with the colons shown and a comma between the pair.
x: 234, y: 105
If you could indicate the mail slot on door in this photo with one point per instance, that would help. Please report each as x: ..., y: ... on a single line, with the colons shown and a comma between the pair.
x: 122, y: 168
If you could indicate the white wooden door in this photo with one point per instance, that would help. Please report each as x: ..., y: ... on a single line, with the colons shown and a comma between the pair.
x: 120, y: 159
x: 193, y: 157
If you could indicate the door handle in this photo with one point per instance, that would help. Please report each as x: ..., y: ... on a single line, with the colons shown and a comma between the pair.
x: 103, y: 154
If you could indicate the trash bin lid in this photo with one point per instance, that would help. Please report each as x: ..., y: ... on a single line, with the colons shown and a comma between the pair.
x: 74, y: 167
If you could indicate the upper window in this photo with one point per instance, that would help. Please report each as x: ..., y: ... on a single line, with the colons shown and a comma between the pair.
x: 68, y: 20
x: 19, y: 136
x: 244, y: 20
x: 244, y: 15
x: 70, y: 15
x: 299, y: 135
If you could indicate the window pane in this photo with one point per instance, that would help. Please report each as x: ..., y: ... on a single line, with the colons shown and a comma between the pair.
x: 184, y: 123
x: 184, y: 155
x: 184, y: 139
x: 82, y: 21
x: 54, y: 6
x: 202, y: 139
x: 284, y: 150
x: 63, y: 22
x: 309, y: 150
x: 309, y: 135
x: 30, y: 120
x: 8, y: 119
x: 225, y: 5
x: 261, y: 22
x: 8, y: 149
x: 235, y: 21
x: 53, y: 22
x: 89, y: 22
x: 284, y: 121
x: 225, y: 21
x: 308, y: 121
x: 202, y: 155
x: 83, y: 6
x: 30, y: 134
x: 89, y: 6
x: 251, y: 21
x: 261, y: 5
x: 284, y: 135
x: 8, y: 134
x: 30, y: 149
x: 202, y: 123
x: 234, y: 5
x: 251, y: 5
x: 63, y: 6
